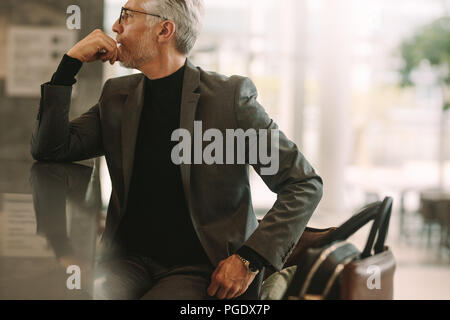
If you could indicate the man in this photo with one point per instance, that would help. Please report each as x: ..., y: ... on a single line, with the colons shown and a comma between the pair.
x: 183, y: 231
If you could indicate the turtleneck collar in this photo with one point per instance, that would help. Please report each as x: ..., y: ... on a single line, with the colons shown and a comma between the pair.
x: 171, y: 81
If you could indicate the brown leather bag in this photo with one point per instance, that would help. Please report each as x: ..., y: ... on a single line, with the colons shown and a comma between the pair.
x: 372, y: 277
x: 334, y: 268
x: 355, y: 278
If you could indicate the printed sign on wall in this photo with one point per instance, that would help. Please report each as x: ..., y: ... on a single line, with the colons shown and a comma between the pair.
x: 33, y: 54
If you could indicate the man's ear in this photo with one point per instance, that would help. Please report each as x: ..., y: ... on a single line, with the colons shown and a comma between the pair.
x: 166, y: 31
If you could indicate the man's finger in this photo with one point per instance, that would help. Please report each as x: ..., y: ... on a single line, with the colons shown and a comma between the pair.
x: 222, y: 293
x: 107, y: 52
x: 233, y: 292
x: 240, y: 292
x: 107, y: 56
x: 103, y: 37
x: 110, y: 56
x: 212, y: 289
x: 110, y: 40
x: 216, y: 271
x: 243, y: 290
x: 106, y: 45
x: 215, y: 283
x: 116, y: 56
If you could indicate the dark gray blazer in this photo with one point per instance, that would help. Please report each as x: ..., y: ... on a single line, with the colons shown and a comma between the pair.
x: 218, y: 196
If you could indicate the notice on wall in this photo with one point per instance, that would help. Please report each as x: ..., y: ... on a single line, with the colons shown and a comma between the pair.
x: 32, y: 55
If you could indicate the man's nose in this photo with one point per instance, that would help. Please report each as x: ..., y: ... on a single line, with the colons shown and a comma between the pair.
x: 117, y: 27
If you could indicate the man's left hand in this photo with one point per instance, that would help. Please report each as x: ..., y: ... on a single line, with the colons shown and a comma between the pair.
x: 230, y: 279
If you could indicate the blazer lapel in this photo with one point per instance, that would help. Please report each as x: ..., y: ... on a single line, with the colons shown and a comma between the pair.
x: 189, y: 102
x: 130, y: 125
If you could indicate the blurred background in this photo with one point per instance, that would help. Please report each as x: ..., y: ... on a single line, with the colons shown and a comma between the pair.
x: 361, y: 86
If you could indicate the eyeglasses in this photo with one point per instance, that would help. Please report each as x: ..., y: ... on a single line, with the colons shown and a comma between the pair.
x: 131, y: 10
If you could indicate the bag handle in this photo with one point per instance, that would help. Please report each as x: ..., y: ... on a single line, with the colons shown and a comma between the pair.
x: 379, y: 229
x: 378, y: 211
x: 352, y: 225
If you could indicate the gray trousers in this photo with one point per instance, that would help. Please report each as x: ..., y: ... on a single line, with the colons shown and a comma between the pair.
x: 134, y: 277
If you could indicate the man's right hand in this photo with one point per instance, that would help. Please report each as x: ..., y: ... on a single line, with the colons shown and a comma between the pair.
x: 96, y: 46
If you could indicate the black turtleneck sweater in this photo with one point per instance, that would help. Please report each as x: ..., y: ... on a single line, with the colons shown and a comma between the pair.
x: 157, y: 223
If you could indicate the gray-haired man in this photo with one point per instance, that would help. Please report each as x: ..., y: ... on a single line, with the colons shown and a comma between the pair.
x: 184, y: 231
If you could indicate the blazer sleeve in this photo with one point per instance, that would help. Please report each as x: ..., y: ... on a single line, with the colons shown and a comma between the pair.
x: 298, y: 187
x: 55, y: 138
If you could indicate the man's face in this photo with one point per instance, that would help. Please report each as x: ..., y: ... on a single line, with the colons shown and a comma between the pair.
x: 137, y: 42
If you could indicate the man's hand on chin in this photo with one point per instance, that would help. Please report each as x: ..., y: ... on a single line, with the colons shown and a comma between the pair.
x: 230, y: 279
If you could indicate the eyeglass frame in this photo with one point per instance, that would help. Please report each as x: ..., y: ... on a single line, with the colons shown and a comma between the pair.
x: 150, y: 14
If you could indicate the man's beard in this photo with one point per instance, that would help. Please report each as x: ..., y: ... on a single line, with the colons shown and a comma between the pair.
x: 140, y: 53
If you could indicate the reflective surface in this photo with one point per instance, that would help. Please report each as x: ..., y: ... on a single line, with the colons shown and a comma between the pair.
x: 50, y: 218
x: 51, y: 222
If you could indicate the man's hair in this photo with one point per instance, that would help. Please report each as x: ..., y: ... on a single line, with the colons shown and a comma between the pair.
x: 188, y: 18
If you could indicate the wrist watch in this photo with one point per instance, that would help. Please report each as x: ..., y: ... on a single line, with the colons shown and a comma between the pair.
x: 250, y: 267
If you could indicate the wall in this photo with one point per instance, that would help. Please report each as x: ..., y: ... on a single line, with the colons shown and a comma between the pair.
x: 17, y: 114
